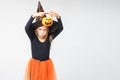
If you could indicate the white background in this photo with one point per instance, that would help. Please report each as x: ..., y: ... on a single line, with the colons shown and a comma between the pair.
x: 87, y: 49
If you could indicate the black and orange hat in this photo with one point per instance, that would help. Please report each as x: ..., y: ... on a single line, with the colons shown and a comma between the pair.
x: 52, y: 28
x: 45, y: 21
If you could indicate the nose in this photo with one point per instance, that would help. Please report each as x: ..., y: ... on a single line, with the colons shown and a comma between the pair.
x: 42, y: 31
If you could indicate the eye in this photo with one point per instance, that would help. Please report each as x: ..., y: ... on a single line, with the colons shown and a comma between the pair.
x: 39, y: 29
x: 45, y: 29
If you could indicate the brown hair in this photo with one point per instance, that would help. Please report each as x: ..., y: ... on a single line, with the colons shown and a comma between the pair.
x: 50, y: 38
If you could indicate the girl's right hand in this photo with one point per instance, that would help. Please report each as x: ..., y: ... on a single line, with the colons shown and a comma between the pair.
x: 38, y: 14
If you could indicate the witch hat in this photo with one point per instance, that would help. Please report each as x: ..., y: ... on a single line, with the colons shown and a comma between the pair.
x: 39, y: 23
x: 39, y: 9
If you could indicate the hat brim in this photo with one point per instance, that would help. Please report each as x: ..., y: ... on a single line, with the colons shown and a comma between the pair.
x: 52, y: 28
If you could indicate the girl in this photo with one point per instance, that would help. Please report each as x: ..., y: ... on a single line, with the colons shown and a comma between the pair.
x: 40, y: 66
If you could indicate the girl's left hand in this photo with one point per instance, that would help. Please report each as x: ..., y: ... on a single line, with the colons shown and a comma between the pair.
x: 53, y: 14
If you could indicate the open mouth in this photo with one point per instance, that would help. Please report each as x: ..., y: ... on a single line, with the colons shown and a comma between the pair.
x: 48, y: 23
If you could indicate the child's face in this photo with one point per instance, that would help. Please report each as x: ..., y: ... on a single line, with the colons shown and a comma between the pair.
x: 42, y: 32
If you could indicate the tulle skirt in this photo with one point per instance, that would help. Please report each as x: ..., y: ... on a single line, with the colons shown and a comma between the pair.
x: 40, y: 70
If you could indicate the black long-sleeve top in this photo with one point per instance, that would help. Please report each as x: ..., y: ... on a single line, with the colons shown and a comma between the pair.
x: 41, y: 50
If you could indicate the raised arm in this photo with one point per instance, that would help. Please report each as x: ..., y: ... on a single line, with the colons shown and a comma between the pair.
x: 28, y: 28
x: 58, y: 25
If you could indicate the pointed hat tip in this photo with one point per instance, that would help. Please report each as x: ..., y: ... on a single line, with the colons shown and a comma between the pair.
x: 38, y: 2
x: 40, y: 8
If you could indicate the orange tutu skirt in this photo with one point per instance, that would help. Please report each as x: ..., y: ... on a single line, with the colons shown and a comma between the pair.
x: 40, y: 70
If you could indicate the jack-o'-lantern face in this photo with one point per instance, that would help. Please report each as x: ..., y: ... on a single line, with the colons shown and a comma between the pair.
x: 47, y: 21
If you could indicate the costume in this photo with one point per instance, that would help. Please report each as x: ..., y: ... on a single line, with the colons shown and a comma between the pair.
x: 40, y: 66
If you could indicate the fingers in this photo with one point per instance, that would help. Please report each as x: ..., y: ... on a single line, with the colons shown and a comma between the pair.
x: 54, y: 14
x: 42, y: 14
x: 38, y: 14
